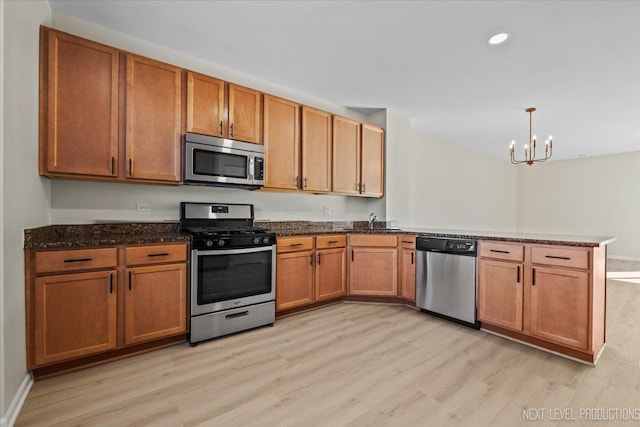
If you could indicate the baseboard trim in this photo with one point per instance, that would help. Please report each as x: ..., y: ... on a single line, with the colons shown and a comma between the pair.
x: 18, y: 400
x: 623, y: 258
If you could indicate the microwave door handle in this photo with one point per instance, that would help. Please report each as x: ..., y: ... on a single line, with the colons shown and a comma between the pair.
x: 250, y: 170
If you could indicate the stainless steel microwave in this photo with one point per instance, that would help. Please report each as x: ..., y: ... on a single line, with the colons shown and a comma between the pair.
x: 210, y: 160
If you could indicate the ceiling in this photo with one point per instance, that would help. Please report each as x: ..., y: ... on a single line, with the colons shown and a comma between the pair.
x: 577, y: 62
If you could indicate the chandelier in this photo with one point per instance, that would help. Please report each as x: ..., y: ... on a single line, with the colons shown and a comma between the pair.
x: 530, y: 148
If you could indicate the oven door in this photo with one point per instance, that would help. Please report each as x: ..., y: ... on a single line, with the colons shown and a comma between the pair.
x: 224, y: 279
x: 206, y: 163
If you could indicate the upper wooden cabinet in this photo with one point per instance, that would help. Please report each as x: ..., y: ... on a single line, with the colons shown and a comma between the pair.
x: 358, y: 158
x: 106, y: 114
x: 205, y: 105
x: 372, y: 163
x: 346, y: 155
x: 222, y: 109
x: 281, y: 143
x: 154, y: 117
x: 78, y: 106
x: 316, y: 150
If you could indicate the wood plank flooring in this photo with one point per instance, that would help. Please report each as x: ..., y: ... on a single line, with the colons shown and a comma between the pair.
x: 355, y: 365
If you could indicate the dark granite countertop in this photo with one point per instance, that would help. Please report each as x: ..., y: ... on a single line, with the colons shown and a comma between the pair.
x: 94, y: 235
x: 297, y: 228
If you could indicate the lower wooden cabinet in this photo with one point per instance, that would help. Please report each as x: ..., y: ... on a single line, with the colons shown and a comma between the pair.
x: 500, y: 293
x: 407, y: 267
x: 310, y: 269
x: 548, y: 295
x: 155, y: 302
x: 75, y: 315
x: 331, y: 273
x: 82, y: 303
x: 560, y: 306
x: 294, y: 280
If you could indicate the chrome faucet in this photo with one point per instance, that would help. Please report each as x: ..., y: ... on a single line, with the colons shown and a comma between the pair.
x: 372, y: 218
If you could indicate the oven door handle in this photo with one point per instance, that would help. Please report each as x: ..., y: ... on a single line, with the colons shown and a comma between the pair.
x: 197, y: 252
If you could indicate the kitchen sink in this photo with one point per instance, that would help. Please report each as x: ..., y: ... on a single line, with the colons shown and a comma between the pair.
x: 375, y: 230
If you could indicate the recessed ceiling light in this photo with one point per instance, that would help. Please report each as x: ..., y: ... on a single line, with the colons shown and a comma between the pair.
x: 498, y: 38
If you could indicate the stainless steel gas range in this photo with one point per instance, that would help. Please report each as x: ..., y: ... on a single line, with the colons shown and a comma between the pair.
x: 232, y: 269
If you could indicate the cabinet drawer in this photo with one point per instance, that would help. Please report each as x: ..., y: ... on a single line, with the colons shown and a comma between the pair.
x: 294, y: 244
x: 504, y: 251
x: 560, y: 256
x: 381, y: 240
x: 407, y: 241
x: 155, y: 254
x: 331, y: 241
x: 76, y: 259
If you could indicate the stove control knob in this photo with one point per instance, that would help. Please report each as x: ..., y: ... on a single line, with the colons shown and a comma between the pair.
x: 208, y: 243
x: 256, y: 240
x: 266, y: 240
x: 221, y: 242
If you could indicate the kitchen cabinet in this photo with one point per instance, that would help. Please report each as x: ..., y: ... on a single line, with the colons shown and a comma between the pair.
x: 156, y: 295
x: 154, y: 120
x: 346, y: 156
x: 316, y: 150
x: 552, y: 296
x: 294, y: 272
x: 225, y: 110
x: 373, y: 267
x: 78, y: 107
x: 281, y: 143
x: 85, y: 305
x: 358, y: 158
x: 407, y: 267
x: 331, y: 267
x: 372, y: 161
x: 106, y: 114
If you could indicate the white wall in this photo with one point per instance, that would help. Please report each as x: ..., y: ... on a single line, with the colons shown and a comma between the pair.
x: 74, y: 202
x: 591, y: 196
x: 435, y: 185
x: 25, y: 194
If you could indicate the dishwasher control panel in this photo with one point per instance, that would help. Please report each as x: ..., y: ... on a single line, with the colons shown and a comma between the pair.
x: 440, y: 244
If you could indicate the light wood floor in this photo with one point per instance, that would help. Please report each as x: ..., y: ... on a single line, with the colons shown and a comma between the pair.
x: 354, y: 365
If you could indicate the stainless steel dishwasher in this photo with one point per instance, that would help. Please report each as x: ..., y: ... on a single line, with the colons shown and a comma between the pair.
x: 446, y: 278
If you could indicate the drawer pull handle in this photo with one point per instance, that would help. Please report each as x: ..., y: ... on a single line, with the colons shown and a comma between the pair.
x: 78, y: 260
x: 498, y: 251
x: 161, y: 254
x: 295, y: 244
x: 236, y: 315
x: 557, y: 257
x: 333, y: 241
x: 518, y: 279
x: 407, y: 241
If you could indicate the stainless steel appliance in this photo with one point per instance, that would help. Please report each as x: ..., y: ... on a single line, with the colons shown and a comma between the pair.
x: 446, y: 278
x: 223, y: 162
x: 232, y: 269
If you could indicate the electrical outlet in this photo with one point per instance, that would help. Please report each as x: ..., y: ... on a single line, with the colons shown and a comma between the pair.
x: 143, y: 207
x: 327, y: 210
x: 290, y: 210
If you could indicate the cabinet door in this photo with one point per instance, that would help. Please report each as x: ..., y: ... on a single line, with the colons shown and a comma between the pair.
x: 316, y: 150
x: 346, y: 155
x: 155, y: 302
x: 500, y: 293
x: 373, y: 271
x: 331, y: 273
x: 281, y: 143
x: 81, y: 96
x: 154, y: 117
x: 408, y: 274
x: 294, y: 280
x: 560, y: 306
x: 372, y: 161
x: 205, y: 104
x: 245, y: 106
x: 75, y: 315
